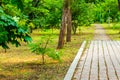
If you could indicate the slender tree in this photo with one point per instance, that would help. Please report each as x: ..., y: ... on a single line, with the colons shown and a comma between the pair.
x: 69, y: 22
x: 66, y: 23
x: 63, y: 25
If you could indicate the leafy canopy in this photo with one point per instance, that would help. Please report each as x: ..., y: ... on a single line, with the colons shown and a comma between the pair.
x: 10, y: 32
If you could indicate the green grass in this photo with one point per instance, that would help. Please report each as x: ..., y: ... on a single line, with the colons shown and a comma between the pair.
x: 19, y: 63
x: 113, y: 31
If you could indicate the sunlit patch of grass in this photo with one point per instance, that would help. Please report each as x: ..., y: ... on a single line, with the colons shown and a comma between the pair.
x: 113, y: 33
x: 20, y: 63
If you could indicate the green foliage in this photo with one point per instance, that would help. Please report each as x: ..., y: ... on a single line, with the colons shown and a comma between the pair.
x: 94, y: 1
x: 10, y: 32
x: 46, y: 15
x: 106, y: 9
x: 54, y: 54
x: 82, y: 14
x: 89, y: 11
x: 41, y: 48
x: 19, y: 3
x: 116, y: 26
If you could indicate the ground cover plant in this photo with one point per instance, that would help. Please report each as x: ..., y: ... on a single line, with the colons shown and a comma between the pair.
x: 20, y: 63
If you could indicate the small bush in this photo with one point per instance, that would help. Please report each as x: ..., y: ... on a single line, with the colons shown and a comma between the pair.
x: 41, y: 48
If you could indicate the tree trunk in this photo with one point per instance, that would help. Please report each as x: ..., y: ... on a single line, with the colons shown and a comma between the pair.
x: 119, y: 5
x: 69, y: 25
x: 63, y: 27
x: 66, y: 22
x: 62, y: 30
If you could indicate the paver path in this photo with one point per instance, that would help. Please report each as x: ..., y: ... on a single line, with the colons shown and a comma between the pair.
x: 100, y: 33
x: 101, y: 61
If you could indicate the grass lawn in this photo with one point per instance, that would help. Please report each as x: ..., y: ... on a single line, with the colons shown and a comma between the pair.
x: 20, y: 64
x: 113, y: 31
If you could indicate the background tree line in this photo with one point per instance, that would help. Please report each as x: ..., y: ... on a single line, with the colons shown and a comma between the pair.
x: 60, y: 14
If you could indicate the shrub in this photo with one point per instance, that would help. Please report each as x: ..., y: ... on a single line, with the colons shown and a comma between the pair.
x: 41, y: 48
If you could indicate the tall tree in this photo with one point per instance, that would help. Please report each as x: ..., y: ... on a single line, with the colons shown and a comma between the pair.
x: 69, y: 22
x: 63, y: 26
x: 66, y: 23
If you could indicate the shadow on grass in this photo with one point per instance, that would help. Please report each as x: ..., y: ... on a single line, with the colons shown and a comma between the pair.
x: 33, y: 71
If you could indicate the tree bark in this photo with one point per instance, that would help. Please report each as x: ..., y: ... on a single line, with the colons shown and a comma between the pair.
x: 63, y: 27
x: 66, y: 22
x: 69, y: 25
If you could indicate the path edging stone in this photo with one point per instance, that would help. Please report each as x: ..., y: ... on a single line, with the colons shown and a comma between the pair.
x: 73, y: 65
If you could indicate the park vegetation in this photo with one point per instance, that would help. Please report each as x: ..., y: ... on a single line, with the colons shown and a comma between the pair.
x: 52, y: 29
